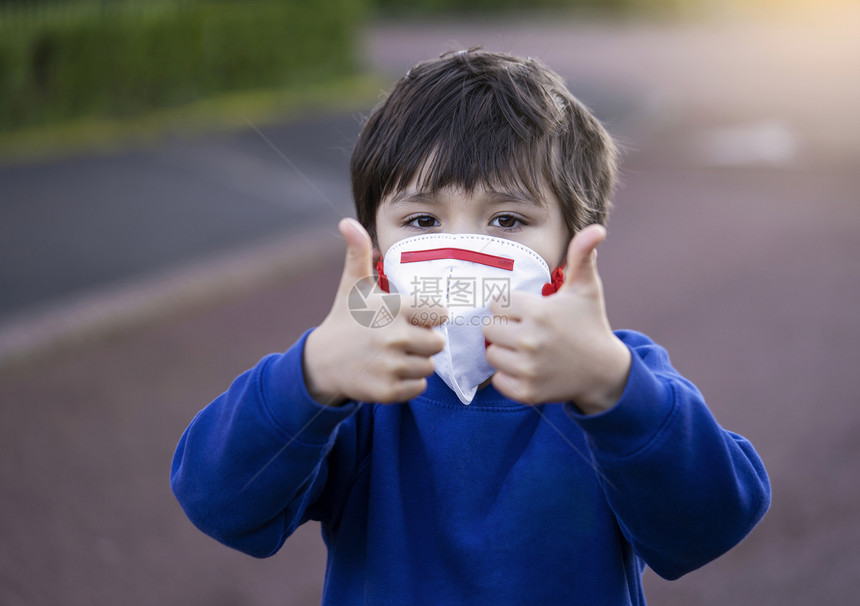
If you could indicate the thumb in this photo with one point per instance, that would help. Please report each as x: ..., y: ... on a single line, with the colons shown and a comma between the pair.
x: 359, y: 252
x: 581, y: 253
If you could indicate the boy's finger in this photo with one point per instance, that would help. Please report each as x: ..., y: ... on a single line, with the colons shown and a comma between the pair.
x: 425, y: 343
x: 516, y: 306
x: 504, y: 334
x: 426, y: 315
x: 359, y: 252
x: 581, y: 252
x: 504, y: 360
x: 403, y: 391
x: 417, y: 367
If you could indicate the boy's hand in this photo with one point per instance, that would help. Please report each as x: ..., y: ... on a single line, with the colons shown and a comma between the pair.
x: 344, y: 360
x: 560, y: 347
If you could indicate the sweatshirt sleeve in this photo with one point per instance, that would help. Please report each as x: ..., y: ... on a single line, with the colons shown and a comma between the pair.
x: 250, y: 466
x: 683, y: 489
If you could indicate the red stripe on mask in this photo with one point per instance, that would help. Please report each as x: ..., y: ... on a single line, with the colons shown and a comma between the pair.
x: 461, y: 254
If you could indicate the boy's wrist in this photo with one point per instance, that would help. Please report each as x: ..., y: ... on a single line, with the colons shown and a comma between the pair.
x: 314, y: 374
x: 609, y: 387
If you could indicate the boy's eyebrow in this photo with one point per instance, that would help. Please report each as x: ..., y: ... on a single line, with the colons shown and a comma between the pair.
x: 513, y: 196
x: 407, y: 197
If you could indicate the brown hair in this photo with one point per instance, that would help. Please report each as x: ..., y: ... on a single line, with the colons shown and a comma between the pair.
x: 475, y: 118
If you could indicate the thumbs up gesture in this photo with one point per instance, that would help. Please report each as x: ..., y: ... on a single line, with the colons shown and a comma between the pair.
x: 348, y: 359
x: 560, y: 347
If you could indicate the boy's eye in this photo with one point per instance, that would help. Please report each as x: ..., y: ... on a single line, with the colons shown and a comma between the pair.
x: 506, y: 221
x: 422, y: 221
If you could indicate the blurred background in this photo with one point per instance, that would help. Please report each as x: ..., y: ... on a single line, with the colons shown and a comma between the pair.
x: 171, y: 176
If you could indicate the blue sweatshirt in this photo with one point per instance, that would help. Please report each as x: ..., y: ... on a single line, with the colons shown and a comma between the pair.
x: 434, y: 502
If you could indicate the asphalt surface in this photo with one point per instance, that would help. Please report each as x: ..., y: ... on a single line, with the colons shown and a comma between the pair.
x: 76, y: 224
x: 734, y: 243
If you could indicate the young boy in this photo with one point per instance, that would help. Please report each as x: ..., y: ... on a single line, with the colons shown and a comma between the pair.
x: 585, y: 456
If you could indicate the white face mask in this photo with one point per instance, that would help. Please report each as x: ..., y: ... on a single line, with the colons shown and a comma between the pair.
x: 464, y: 272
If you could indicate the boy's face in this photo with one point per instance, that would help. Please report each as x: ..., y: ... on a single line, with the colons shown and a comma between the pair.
x: 538, y: 224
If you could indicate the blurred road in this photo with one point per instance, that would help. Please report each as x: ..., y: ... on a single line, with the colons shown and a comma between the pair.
x: 153, y: 208
x: 117, y: 235
x: 734, y: 243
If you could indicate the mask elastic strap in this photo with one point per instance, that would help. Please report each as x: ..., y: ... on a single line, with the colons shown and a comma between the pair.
x: 556, y: 280
x: 381, y: 277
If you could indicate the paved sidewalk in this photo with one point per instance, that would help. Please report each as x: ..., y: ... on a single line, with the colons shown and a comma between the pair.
x: 745, y: 268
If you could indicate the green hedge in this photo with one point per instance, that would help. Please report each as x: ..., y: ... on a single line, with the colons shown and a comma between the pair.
x: 452, y: 7
x: 85, y: 58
